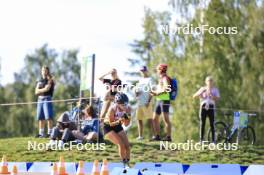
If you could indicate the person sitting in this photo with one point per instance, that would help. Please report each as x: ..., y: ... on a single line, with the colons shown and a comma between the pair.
x: 90, y: 130
x: 63, y: 131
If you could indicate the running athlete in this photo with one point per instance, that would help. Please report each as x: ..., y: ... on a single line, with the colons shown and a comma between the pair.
x: 118, y: 114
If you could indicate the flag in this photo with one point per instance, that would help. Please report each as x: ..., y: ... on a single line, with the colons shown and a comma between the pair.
x: 86, y: 73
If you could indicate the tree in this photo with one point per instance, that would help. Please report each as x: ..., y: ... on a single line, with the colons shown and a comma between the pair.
x: 235, y: 61
x: 20, y: 120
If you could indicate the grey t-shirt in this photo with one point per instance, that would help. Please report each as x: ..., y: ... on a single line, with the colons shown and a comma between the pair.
x: 143, y: 88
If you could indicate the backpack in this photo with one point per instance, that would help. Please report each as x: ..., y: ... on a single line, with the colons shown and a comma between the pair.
x: 174, y: 88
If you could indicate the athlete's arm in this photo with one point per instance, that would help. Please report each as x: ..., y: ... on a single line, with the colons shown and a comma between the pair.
x: 127, y: 117
x: 111, y: 118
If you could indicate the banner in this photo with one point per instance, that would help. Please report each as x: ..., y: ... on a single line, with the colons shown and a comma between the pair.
x: 86, y: 73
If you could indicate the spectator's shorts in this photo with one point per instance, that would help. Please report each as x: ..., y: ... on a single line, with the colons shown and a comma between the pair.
x: 144, y: 112
x: 162, y: 106
x: 44, y: 108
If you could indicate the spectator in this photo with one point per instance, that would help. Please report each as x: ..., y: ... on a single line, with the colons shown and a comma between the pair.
x: 208, y: 96
x: 44, y: 90
x: 113, y: 86
x: 63, y: 131
x: 163, y: 103
x: 144, y: 106
x: 90, y: 131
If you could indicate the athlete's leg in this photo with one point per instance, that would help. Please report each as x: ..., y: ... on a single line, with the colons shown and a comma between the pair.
x: 115, y: 139
x: 125, y: 141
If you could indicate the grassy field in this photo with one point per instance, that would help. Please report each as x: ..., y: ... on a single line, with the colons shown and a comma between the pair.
x: 16, y: 149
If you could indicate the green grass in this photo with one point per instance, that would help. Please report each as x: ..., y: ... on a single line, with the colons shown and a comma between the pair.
x: 16, y: 150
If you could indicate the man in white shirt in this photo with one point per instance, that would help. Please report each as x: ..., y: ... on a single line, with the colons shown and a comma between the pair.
x: 144, y: 106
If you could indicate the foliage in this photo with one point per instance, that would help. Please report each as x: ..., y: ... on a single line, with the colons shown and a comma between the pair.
x: 20, y: 120
x: 235, y: 61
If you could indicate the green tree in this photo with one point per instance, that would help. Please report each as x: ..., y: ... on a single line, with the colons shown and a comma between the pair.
x: 20, y: 120
x: 235, y: 61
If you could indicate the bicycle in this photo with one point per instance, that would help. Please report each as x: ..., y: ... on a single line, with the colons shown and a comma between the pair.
x: 240, y: 132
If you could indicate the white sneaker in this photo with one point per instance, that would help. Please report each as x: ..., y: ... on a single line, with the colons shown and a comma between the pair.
x: 140, y: 138
x: 60, y: 144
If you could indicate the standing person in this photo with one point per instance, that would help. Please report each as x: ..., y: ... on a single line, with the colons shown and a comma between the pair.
x: 208, y: 96
x: 162, y: 95
x: 44, y: 90
x: 144, y: 106
x: 113, y: 86
x: 117, y: 114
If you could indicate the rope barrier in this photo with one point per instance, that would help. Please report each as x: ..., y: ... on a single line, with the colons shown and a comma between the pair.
x: 51, y: 101
x: 83, y: 98
x: 232, y: 109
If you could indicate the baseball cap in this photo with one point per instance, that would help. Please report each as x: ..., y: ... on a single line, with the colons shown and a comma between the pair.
x: 143, y: 69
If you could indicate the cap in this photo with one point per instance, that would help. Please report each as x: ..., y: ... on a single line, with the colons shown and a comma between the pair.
x: 162, y: 67
x: 143, y: 69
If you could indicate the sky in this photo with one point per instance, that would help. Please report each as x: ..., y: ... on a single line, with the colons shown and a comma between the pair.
x: 99, y: 26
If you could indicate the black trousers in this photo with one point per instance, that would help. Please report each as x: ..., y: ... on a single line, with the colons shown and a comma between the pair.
x: 64, y: 135
x: 203, y: 114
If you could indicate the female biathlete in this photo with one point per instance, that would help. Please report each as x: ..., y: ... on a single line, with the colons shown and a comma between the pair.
x: 118, y: 114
